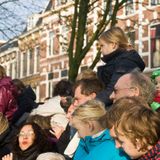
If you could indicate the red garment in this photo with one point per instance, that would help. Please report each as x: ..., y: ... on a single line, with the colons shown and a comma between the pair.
x: 157, y: 99
x: 8, y: 103
x: 153, y: 154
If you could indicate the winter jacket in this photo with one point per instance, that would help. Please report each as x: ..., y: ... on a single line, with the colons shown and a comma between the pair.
x: 5, y: 142
x: 118, y: 63
x: 26, y: 102
x: 8, y: 104
x: 52, y: 106
x: 99, y: 148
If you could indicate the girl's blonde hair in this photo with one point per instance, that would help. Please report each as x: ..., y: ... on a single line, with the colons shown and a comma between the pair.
x: 115, y: 35
x: 92, y: 110
x: 2, y: 72
x: 3, y: 123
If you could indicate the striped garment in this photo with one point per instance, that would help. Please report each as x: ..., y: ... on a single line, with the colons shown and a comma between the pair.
x: 153, y: 154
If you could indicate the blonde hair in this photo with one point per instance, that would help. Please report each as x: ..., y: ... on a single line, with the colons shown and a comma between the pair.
x: 92, y: 110
x: 86, y: 74
x: 2, y: 72
x: 3, y: 123
x: 50, y: 156
x: 115, y: 35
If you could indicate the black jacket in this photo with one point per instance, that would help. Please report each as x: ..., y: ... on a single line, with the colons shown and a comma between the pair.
x: 5, y: 142
x: 26, y: 102
x: 118, y: 63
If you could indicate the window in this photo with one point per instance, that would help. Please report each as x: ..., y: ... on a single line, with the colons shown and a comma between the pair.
x: 10, y: 69
x: 50, y: 76
x: 31, y: 60
x: 112, y: 3
x: 131, y: 36
x: 129, y: 8
x: 64, y: 31
x: 51, y: 43
x: 60, y: 2
x: 155, y: 2
x: 155, y: 45
x: 50, y: 89
x: 24, y: 65
x: 13, y: 69
x: 19, y: 65
x: 37, y: 59
x: 64, y: 73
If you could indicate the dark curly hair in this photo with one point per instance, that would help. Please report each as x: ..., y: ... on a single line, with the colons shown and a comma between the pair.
x: 63, y: 88
x: 40, y: 140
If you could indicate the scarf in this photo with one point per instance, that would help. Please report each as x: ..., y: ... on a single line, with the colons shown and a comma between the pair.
x: 113, y: 55
x: 30, y: 154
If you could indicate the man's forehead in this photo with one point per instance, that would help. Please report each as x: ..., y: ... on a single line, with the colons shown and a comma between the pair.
x: 123, y: 80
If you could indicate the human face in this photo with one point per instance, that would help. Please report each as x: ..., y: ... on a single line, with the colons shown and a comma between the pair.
x: 26, y: 137
x: 82, y: 128
x: 80, y: 98
x: 106, y: 47
x: 123, y: 88
x: 157, y: 82
x: 132, y: 150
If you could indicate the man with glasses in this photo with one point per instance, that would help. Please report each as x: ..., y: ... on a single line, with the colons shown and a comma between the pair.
x: 134, y: 84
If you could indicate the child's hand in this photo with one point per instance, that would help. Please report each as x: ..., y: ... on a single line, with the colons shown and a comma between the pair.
x: 8, y: 157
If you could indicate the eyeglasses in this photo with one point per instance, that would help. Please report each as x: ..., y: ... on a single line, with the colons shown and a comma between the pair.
x: 116, y: 90
x: 28, y: 134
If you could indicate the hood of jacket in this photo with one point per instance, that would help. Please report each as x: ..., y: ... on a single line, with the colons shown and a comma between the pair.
x: 89, y: 142
x: 28, y: 91
x: 133, y: 56
x: 6, y: 81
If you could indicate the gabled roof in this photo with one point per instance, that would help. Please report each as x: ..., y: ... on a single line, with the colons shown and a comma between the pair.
x: 10, y: 44
x: 49, y: 6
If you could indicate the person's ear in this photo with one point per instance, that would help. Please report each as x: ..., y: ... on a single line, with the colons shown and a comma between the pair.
x: 138, y: 144
x: 91, y: 126
x: 114, y: 46
x: 93, y: 95
x: 136, y: 91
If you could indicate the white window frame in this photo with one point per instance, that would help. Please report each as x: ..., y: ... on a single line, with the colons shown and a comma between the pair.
x: 50, y: 48
x: 36, y: 54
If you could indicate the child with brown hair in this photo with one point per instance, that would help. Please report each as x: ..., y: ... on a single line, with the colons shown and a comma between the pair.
x: 138, y: 132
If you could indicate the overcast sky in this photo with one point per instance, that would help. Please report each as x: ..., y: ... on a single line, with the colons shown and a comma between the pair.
x: 14, y: 13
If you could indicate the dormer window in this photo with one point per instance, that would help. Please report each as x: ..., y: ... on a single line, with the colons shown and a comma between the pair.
x: 32, y: 20
x: 129, y: 8
x: 155, y: 2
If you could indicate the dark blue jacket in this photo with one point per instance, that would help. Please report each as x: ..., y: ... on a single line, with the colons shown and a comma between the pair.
x: 117, y: 64
x: 26, y: 102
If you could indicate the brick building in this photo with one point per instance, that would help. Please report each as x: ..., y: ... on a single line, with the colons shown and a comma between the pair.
x: 39, y: 57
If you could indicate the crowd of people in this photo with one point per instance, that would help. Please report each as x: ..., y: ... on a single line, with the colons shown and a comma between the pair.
x: 111, y: 114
